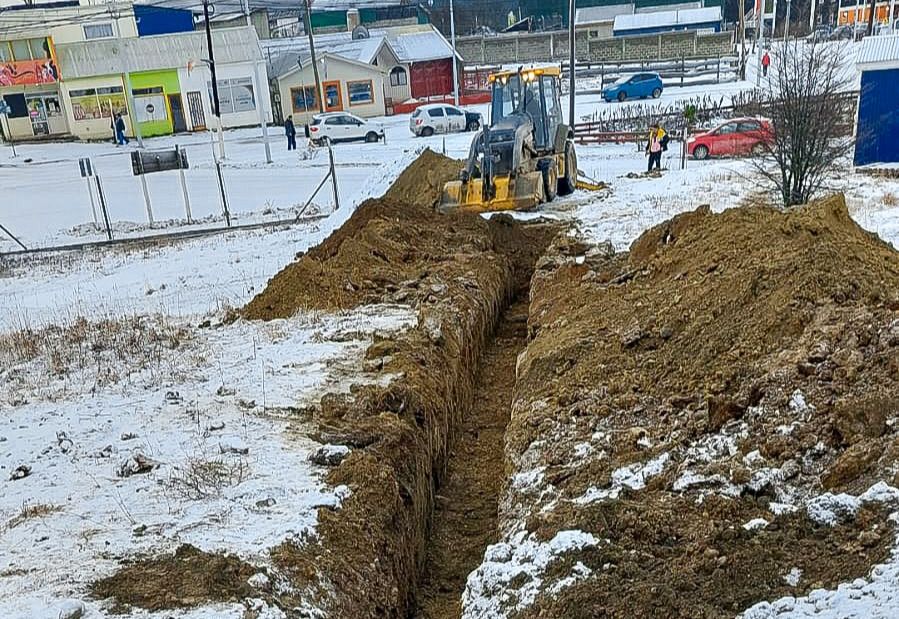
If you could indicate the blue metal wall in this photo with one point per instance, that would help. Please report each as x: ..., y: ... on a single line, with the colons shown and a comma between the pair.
x: 160, y: 20
x: 878, y: 118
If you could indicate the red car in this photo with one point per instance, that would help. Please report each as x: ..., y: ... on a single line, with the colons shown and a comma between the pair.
x: 735, y: 138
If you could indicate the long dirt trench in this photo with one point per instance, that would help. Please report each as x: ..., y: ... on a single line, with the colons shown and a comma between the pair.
x: 465, y: 514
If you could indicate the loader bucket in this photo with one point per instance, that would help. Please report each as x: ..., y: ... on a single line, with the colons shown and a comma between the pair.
x: 520, y: 193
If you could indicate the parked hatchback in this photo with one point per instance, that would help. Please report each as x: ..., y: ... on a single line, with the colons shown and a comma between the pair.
x: 640, y: 85
x: 343, y: 127
x: 734, y: 138
x: 441, y: 118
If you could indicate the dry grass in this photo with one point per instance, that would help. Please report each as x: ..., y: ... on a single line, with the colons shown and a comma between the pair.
x: 98, y: 352
x: 30, y: 511
x: 890, y: 199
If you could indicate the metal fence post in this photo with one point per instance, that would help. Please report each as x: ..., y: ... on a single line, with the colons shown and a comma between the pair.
x: 333, y: 176
x: 183, y: 185
x: 103, y: 207
x: 218, y: 171
x: 143, y: 184
x: 90, y: 192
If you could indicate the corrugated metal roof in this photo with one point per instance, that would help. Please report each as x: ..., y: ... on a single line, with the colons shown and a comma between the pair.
x: 168, y: 51
x: 408, y: 43
x: 878, y: 50
x: 420, y: 46
x: 661, y: 19
x: 596, y: 14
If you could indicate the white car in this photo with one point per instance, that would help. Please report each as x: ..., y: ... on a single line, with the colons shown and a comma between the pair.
x: 343, y: 127
x: 442, y: 118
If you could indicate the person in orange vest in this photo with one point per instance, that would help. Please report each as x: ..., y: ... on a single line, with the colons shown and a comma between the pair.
x: 766, y: 61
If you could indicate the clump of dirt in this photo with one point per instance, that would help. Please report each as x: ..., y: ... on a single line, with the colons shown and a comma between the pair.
x: 731, y: 367
x: 398, y: 249
x: 187, y: 578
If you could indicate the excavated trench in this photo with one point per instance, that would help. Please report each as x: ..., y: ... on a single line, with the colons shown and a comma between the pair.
x: 465, y: 511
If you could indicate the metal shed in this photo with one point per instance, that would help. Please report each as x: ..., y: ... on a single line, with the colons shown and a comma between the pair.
x: 877, y: 129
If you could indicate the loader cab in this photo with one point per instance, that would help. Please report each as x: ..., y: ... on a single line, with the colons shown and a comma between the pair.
x: 534, y: 93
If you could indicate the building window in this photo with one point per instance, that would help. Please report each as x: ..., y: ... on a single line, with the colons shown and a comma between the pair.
x: 360, y: 93
x: 235, y: 95
x: 21, y: 50
x: 398, y: 76
x: 24, y: 49
x: 98, y: 31
x: 94, y: 103
x: 303, y: 99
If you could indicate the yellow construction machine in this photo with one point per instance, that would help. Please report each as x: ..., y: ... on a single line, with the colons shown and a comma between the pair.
x: 525, y: 156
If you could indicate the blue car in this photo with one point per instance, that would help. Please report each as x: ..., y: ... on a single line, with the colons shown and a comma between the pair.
x: 631, y: 86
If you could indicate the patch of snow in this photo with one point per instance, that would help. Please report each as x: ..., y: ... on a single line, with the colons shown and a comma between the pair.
x: 778, y: 509
x: 528, y: 481
x: 792, y: 578
x: 632, y: 476
x: 798, y: 403
x: 755, y: 524
x: 830, y: 509
x: 522, y: 560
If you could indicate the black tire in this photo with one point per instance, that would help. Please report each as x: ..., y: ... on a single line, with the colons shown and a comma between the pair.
x: 758, y: 149
x: 568, y: 182
x: 427, y: 132
x: 550, y: 173
x: 701, y: 152
x: 371, y: 137
x: 622, y: 96
x: 473, y: 125
x: 656, y: 93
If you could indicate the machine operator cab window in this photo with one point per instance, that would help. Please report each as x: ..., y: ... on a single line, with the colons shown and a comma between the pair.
x: 534, y: 94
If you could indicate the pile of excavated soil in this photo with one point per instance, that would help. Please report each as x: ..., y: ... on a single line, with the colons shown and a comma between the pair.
x: 397, y: 249
x: 729, y: 368
x: 187, y: 578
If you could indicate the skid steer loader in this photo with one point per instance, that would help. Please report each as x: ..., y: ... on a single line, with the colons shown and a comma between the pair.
x: 525, y: 156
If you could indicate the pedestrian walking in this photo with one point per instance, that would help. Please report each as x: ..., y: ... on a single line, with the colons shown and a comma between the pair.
x: 766, y: 61
x: 655, y: 144
x: 120, y: 138
x: 291, y: 132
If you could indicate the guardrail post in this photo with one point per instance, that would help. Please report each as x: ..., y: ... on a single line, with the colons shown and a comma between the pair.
x: 103, y: 208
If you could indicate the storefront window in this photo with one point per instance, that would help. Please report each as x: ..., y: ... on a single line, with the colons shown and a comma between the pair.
x: 360, y: 93
x: 235, y: 95
x: 5, y: 52
x: 21, y: 50
x: 303, y: 99
x: 39, y: 48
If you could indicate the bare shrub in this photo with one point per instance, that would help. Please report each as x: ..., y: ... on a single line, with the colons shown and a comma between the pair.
x: 203, y: 478
x: 805, y: 97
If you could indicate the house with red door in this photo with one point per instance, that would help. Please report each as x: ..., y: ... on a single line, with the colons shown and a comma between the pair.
x: 405, y: 64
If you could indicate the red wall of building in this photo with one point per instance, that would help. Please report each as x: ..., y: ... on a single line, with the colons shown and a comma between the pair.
x: 434, y: 77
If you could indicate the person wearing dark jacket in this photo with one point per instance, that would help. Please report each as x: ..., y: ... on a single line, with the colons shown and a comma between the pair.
x: 291, y: 132
x: 120, y: 137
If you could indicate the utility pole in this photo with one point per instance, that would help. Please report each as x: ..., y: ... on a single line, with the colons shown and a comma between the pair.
x: 811, y: 17
x: 787, y: 20
x: 892, y: 15
x: 257, y: 86
x: 455, y: 59
x: 571, y: 60
x: 216, y: 108
x: 743, y: 39
x: 318, y: 82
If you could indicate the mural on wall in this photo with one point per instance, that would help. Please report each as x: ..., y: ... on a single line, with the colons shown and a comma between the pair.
x: 29, y: 72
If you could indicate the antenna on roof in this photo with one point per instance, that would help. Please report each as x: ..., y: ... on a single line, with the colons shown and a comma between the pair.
x: 360, y: 32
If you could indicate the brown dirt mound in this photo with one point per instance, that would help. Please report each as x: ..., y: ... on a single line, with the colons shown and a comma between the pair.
x: 759, y: 349
x: 398, y: 249
x: 422, y: 182
x: 187, y: 578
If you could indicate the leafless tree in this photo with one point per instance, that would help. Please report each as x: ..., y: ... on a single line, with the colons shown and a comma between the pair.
x: 805, y: 97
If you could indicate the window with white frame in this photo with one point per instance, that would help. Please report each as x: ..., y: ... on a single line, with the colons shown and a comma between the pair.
x: 235, y: 95
x: 98, y: 31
